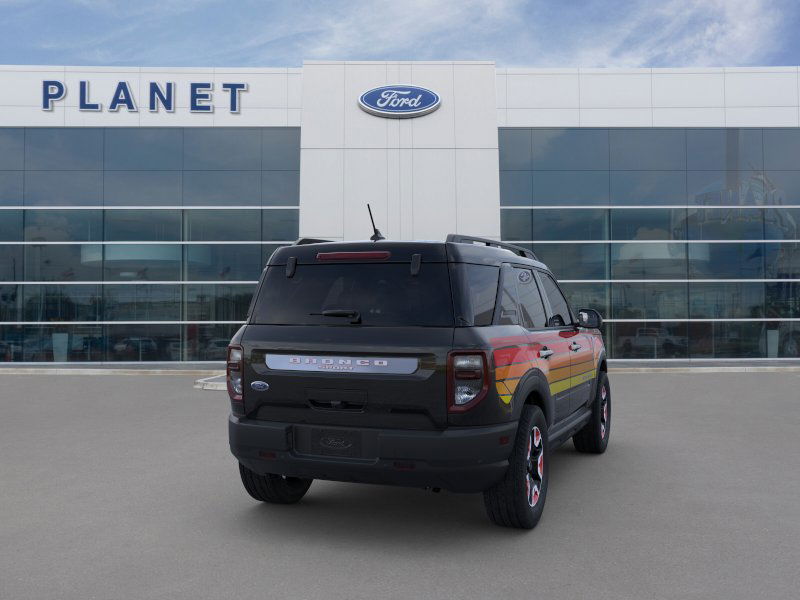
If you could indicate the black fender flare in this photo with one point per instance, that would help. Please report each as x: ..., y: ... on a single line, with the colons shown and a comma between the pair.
x: 534, y: 381
x: 600, y: 360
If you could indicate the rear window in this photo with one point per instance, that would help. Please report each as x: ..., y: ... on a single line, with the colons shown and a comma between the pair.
x: 383, y: 294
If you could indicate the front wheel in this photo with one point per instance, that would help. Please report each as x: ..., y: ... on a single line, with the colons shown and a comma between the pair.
x: 518, y: 500
x: 275, y: 489
x: 593, y: 438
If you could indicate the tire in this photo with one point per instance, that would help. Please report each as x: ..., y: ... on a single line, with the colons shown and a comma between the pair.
x: 593, y: 438
x: 275, y: 489
x: 518, y: 500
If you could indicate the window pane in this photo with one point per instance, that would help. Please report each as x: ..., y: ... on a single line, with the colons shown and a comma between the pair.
x: 221, y: 188
x: 730, y: 188
x: 474, y: 293
x: 142, y: 188
x: 655, y: 224
x: 784, y: 341
x: 142, y: 225
x: 781, y: 223
x: 560, y: 313
x: 648, y: 261
x: 143, y: 342
x: 222, y: 225
x: 575, y: 261
x: 570, y: 149
x: 68, y: 262
x: 64, y: 188
x: 515, y: 149
x: 154, y: 262
x: 783, y: 299
x: 63, y: 343
x: 648, y: 149
x: 782, y: 261
x: 143, y: 148
x: 221, y: 148
x: 726, y: 224
x: 280, y: 224
x: 10, y: 309
x: 12, y: 147
x: 63, y: 148
x: 280, y: 188
x: 10, y: 225
x: 62, y: 302
x: 516, y: 188
x: 208, y: 342
x: 782, y: 148
x: 11, y: 341
x: 530, y: 300
x: 11, y: 263
x: 583, y: 224
x: 649, y: 300
x: 652, y: 339
x: 727, y: 340
x: 142, y: 302
x: 236, y: 262
x: 648, y: 187
x: 783, y: 187
x: 726, y: 300
x: 570, y: 187
x: 724, y: 149
x: 726, y: 261
x: 218, y: 302
x: 588, y: 295
x: 63, y: 225
x: 516, y: 225
x: 281, y: 148
x: 11, y: 188
x: 509, y: 312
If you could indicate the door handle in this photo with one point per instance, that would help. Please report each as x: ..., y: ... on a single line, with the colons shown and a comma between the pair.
x: 545, y: 352
x: 574, y: 346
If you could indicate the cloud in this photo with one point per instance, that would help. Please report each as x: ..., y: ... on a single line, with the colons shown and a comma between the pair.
x: 586, y: 33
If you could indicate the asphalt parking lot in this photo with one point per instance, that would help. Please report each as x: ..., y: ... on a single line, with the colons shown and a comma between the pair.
x: 123, y: 487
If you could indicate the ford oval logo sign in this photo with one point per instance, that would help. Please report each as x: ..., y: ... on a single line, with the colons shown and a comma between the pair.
x: 399, y: 101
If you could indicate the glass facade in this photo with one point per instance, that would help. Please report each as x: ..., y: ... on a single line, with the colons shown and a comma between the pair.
x: 138, y: 244
x: 685, y: 240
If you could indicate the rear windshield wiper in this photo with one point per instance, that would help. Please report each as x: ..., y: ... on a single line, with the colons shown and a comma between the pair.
x: 353, y: 315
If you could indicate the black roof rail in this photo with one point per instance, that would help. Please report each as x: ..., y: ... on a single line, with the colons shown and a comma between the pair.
x: 468, y: 239
x: 304, y: 241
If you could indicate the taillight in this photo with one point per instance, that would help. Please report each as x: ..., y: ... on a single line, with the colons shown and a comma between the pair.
x: 467, y: 379
x: 234, y: 376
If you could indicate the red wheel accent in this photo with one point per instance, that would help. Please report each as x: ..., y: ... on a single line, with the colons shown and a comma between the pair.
x: 534, y: 474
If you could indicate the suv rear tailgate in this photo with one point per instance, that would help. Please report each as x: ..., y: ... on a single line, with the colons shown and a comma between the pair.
x: 349, y: 376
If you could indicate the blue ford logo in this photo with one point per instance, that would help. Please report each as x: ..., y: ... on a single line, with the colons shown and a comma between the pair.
x: 399, y: 101
x: 260, y: 386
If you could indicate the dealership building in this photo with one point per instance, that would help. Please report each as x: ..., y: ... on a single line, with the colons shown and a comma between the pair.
x: 138, y: 206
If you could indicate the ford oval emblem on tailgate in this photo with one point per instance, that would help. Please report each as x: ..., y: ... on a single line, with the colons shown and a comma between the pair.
x: 260, y: 386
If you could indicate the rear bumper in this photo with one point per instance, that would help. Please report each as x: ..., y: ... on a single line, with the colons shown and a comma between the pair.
x: 466, y: 459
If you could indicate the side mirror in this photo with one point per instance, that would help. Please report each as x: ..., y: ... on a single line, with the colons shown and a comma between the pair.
x: 589, y: 318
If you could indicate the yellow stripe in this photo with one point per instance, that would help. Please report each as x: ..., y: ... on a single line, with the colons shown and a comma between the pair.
x: 570, y: 382
x: 506, y: 398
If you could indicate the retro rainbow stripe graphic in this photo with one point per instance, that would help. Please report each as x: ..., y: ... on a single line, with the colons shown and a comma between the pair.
x: 515, y: 355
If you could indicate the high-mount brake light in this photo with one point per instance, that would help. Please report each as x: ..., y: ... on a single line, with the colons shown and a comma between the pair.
x: 233, y: 372
x: 467, y: 379
x: 366, y: 255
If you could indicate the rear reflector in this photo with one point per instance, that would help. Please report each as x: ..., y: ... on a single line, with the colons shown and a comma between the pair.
x: 368, y: 255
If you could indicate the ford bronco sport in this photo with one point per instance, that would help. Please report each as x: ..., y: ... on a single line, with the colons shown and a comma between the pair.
x: 456, y: 365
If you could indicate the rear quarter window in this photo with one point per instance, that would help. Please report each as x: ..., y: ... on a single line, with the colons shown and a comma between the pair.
x: 475, y: 291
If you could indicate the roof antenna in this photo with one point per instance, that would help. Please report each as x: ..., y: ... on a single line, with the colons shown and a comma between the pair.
x: 377, y: 235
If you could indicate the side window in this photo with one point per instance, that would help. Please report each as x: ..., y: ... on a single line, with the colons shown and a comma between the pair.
x: 507, y: 302
x: 530, y: 301
x: 558, y: 303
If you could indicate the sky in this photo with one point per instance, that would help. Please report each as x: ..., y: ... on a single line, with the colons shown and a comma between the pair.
x: 566, y: 33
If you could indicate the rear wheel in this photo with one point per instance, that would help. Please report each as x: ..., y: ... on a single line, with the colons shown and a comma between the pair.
x: 593, y: 438
x: 518, y: 500
x: 276, y: 489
